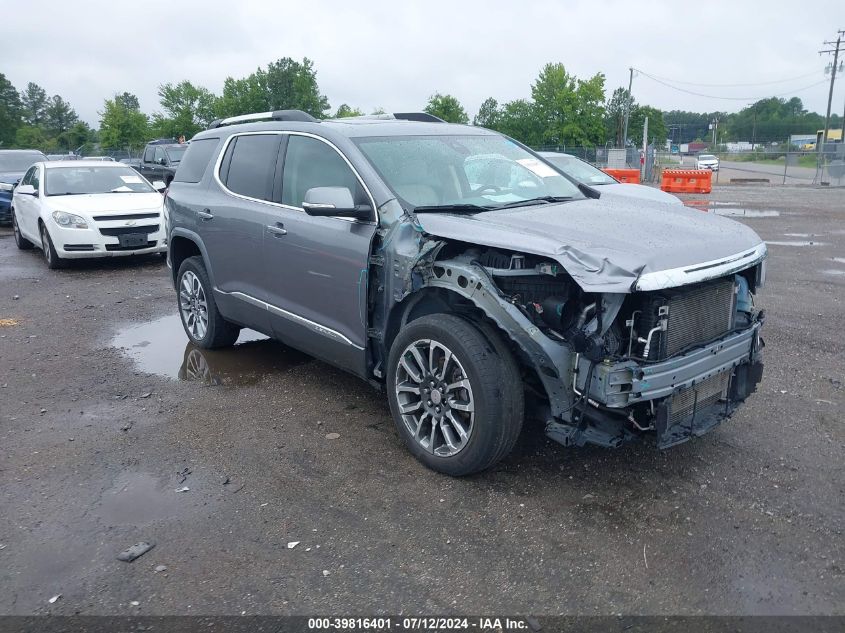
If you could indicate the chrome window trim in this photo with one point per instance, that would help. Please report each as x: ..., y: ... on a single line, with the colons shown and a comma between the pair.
x: 683, y: 275
x: 222, y: 153
x: 311, y: 325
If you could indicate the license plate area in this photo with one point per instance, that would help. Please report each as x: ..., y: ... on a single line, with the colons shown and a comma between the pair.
x: 133, y: 240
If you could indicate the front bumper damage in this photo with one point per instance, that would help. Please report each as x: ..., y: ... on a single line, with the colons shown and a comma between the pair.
x: 689, y: 394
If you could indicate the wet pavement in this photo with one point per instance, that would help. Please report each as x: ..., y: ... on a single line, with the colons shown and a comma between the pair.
x: 106, y: 412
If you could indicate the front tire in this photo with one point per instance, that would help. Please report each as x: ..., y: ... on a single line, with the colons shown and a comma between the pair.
x: 54, y: 262
x: 21, y: 242
x: 203, y: 323
x: 455, y: 395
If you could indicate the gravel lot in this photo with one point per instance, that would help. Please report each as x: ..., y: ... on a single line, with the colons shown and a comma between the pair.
x: 97, y: 420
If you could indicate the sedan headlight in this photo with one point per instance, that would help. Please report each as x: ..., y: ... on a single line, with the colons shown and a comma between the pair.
x: 69, y: 220
x: 6, y: 186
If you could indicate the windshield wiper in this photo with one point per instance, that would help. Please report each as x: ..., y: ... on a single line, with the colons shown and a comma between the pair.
x: 452, y: 208
x: 533, y: 201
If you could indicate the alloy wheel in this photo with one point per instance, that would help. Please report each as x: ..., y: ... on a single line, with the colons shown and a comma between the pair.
x: 435, y: 397
x: 193, y: 305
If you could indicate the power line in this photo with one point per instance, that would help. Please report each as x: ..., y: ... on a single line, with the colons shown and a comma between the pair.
x: 742, y: 85
x: 746, y: 98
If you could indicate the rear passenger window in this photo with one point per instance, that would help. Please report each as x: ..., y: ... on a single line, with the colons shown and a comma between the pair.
x: 252, y: 165
x: 195, y: 161
x: 312, y: 163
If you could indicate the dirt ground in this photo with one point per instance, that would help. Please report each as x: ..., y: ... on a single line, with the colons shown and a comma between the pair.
x: 103, y: 405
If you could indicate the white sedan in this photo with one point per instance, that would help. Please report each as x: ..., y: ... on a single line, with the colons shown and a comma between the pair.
x: 707, y: 161
x: 76, y: 209
x: 583, y: 172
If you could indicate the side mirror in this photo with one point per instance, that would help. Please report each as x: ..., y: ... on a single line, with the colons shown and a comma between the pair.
x: 26, y: 190
x: 159, y: 186
x: 334, y: 202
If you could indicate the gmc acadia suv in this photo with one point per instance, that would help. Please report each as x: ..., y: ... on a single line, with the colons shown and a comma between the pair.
x: 463, y: 274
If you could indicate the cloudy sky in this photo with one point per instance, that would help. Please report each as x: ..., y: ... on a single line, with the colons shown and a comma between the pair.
x: 394, y: 54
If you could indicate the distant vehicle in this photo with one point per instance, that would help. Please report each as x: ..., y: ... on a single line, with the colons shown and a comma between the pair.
x: 62, y: 157
x: 101, y: 158
x: 160, y: 160
x: 707, y: 161
x: 75, y: 209
x: 585, y: 173
x: 13, y: 164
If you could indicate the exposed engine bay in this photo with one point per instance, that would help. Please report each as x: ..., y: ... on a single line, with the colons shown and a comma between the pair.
x: 671, y: 362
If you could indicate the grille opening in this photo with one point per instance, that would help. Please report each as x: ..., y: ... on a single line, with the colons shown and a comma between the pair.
x: 79, y: 247
x: 128, y: 230
x: 126, y: 216
x: 118, y: 247
x: 700, y: 396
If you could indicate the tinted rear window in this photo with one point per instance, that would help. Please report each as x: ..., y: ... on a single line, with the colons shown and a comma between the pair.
x: 196, y: 159
x: 253, y: 165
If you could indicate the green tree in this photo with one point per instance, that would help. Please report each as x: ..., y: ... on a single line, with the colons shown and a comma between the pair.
x: 34, y: 100
x: 571, y: 110
x: 11, y: 111
x: 123, y: 126
x: 59, y: 116
x: 447, y: 108
x: 346, y: 111
x: 657, y: 130
x: 519, y: 119
x: 187, y: 109
x: 31, y: 137
x: 286, y: 84
x: 79, y: 135
x: 488, y: 114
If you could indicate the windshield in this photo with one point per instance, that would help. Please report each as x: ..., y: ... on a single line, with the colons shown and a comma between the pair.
x: 175, y: 153
x: 19, y: 161
x: 68, y: 181
x: 706, y: 157
x: 442, y: 171
x: 580, y: 170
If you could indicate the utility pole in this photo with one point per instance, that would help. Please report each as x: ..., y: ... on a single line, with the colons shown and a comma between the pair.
x: 835, y: 52
x: 627, y: 109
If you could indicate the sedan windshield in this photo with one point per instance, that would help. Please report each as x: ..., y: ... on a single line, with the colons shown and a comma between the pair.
x: 580, y: 170
x: 707, y: 157
x: 69, y: 181
x: 469, y: 172
x: 19, y: 161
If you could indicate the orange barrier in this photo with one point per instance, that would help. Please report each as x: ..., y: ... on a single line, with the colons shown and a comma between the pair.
x: 631, y: 176
x: 687, y: 181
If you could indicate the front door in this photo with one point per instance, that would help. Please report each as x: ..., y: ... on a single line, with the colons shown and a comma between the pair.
x: 316, y: 268
x: 27, y: 207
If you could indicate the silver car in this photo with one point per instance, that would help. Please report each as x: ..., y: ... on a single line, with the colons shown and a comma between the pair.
x: 461, y: 274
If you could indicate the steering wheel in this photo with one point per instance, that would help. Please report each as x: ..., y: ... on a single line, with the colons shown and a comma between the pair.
x: 490, y: 188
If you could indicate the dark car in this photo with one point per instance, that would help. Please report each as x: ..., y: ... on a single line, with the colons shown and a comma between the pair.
x: 388, y: 249
x: 13, y: 165
x: 160, y: 160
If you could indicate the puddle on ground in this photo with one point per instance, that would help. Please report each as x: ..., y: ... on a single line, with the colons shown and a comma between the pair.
x: 137, y: 499
x: 834, y: 271
x: 839, y: 260
x: 795, y: 243
x: 747, y: 213
x: 161, y: 347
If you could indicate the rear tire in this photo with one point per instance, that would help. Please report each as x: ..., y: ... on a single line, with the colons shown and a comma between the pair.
x: 54, y: 262
x: 203, y: 323
x: 21, y: 242
x: 456, y: 397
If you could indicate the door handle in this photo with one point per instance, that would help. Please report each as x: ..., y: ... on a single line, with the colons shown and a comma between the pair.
x: 277, y: 229
x: 205, y: 215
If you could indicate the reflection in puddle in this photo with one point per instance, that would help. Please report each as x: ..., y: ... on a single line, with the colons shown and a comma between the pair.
x: 840, y: 260
x: 137, y: 499
x: 795, y: 243
x: 162, y: 347
x: 834, y: 271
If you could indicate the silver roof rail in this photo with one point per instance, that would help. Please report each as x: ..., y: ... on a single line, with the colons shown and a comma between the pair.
x: 396, y: 116
x: 276, y: 115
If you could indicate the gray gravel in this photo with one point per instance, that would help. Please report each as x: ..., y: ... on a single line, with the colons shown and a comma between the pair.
x: 747, y: 520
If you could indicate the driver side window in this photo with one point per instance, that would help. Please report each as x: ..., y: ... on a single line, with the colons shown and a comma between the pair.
x: 27, y: 179
x: 35, y: 181
x: 311, y: 163
x: 159, y: 154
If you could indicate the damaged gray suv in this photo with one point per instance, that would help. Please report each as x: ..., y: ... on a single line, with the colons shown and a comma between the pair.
x: 464, y: 275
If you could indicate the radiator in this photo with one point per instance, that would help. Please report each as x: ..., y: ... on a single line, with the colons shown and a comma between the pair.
x: 698, y: 397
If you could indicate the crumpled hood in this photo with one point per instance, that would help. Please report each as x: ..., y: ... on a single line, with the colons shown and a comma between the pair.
x: 604, y: 244
x: 114, y: 203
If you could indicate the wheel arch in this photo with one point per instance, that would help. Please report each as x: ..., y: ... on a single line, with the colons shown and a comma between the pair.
x: 182, y: 245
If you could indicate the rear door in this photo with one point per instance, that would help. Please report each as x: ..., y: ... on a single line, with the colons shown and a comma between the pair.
x: 316, y: 268
x: 232, y: 224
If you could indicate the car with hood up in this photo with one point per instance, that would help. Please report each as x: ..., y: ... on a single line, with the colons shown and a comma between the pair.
x: 82, y: 209
x: 13, y: 165
x: 388, y: 247
x: 584, y: 172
